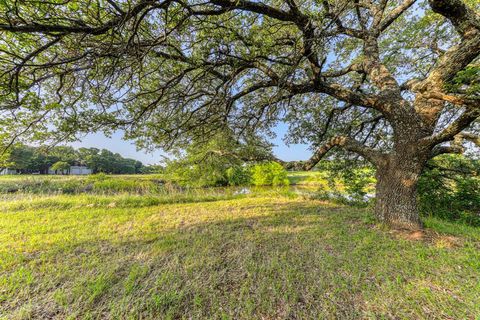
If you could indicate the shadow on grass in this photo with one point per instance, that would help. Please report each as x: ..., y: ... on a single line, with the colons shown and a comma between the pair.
x: 276, y: 260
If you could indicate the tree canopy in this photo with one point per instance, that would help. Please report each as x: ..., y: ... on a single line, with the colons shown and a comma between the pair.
x: 167, y: 71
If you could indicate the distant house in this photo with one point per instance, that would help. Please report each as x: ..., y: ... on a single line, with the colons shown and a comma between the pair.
x: 5, y: 171
x: 80, y: 170
x: 74, y: 170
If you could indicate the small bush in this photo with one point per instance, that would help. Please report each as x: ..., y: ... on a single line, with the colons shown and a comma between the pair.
x: 356, y: 184
x: 198, y: 175
x: 269, y: 174
x: 238, y: 176
x: 450, y: 189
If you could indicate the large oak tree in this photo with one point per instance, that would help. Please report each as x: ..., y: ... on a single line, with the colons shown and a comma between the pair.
x: 395, y: 81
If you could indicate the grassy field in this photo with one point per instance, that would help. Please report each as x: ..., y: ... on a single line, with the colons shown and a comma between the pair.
x: 216, y: 254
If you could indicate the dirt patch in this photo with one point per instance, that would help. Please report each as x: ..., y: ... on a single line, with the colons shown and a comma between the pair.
x: 448, y: 242
x: 428, y: 236
x: 415, y: 235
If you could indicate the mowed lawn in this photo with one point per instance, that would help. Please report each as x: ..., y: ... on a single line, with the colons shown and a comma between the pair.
x: 270, y: 256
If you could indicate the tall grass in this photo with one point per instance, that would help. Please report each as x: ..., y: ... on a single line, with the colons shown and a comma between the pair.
x: 95, y: 184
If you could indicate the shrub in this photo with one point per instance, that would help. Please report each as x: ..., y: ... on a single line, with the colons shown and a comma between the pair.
x: 269, y: 174
x: 356, y: 182
x: 450, y: 189
x: 238, y: 176
x: 198, y: 175
x: 347, y: 182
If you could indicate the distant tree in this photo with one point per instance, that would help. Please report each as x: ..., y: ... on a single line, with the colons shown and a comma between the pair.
x: 61, y: 166
x: 124, y: 166
x: 28, y: 159
x: 64, y: 153
x: 40, y: 161
x: 153, y: 168
x: 19, y: 157
x: 90, y: 157
x: 106, y: 161
x: 138, y: 166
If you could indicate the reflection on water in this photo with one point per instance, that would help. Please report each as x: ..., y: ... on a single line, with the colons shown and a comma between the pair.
x: 306, y: 190
x: 243, y: 191
x: 169, y: 191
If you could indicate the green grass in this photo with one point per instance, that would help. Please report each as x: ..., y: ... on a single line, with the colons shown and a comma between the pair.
x: 211, y: 254
x: 308, y: 178
x: 95, y: 184
x: 320, y: 179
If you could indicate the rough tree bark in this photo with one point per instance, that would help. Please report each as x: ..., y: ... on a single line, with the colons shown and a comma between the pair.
x: 397, y: 175
x: 396, y: 190
x: 415, y: 141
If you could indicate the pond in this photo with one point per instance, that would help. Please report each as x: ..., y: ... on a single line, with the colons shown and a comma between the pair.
x: 17, y: 187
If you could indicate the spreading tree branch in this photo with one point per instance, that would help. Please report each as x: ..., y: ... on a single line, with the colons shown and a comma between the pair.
x: 347, y: 143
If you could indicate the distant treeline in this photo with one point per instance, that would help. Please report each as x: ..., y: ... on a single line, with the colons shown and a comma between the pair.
x: 27, y: 159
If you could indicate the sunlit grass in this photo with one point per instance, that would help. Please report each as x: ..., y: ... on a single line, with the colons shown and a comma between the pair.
x: 220, y: 255
x: 308, y: 177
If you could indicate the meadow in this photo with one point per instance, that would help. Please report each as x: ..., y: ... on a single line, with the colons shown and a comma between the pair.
x: 137, y: 247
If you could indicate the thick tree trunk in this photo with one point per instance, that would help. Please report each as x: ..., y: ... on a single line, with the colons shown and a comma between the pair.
x: 396, y: 192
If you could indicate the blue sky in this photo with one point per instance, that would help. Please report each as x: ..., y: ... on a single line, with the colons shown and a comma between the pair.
x: 129, y: 150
